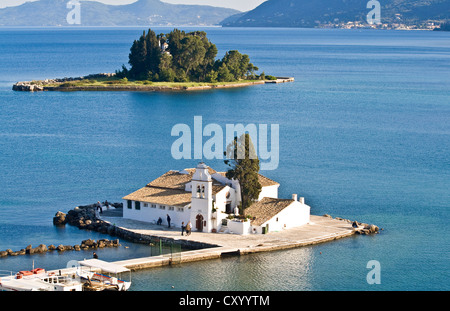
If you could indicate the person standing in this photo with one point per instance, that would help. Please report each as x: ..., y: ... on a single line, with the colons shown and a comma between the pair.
x: 168, y: 220
x: 99, y: 207
x: 188, y: 228
x: 183, y: 227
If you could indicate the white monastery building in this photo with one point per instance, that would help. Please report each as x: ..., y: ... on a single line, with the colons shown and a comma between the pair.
x: 209, y: 201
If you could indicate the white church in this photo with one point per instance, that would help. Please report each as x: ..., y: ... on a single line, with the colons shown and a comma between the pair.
x: 209, y: 201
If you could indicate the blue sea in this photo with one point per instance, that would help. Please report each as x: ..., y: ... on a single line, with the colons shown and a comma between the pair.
x: 364, y: 135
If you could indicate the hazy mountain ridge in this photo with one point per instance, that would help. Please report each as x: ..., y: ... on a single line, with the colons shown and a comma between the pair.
x: 142, y: 12
x: 307, y: 13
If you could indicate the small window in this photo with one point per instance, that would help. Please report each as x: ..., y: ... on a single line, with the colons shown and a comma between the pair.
x: 145, y: 204
x: 137, y: 205
x: 153, y: 206
x: 129, y: 204
x: 171, y: 208
x: 162, y: 207
x: 180, y: 209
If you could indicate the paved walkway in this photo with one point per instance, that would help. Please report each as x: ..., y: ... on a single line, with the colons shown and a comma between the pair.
x: 320, y: 229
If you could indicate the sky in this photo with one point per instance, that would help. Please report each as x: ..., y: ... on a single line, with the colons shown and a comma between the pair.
x: 241, y: 5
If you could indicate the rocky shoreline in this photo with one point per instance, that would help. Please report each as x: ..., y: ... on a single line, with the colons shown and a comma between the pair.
x: 359, y: 227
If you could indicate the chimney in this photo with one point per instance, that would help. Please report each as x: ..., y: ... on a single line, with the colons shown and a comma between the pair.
x: 294, y: 197
x: 302, y: 200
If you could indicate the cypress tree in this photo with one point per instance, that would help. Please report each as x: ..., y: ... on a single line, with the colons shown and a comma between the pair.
x: 244, y: 167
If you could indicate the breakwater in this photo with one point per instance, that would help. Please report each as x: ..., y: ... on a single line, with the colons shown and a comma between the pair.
x: 86, y: 217
x: 42, y: 248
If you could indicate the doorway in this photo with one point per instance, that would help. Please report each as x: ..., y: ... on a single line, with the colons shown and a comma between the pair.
x: 199, y: 222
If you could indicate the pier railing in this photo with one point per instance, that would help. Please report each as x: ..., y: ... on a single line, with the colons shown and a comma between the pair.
x: 169, y: 249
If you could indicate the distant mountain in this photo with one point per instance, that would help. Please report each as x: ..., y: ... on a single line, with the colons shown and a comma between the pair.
x: 309, y: 13
x: 142, y: 12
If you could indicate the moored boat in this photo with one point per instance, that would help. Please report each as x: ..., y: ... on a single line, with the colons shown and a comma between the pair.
x: 98, y: 275
x: 39, y: 280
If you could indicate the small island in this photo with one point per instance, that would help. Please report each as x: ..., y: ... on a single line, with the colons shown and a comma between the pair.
x: 167, y: 62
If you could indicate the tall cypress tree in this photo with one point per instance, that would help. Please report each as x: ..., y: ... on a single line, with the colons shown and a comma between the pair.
x: 244, y: 167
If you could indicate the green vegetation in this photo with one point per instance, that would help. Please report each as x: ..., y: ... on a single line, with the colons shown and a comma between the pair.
x: 244, y: 167
x: 185, y: 57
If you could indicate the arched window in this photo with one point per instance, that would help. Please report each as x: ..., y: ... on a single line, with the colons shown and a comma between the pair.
x: 198, y: 191
x: 203, y: 191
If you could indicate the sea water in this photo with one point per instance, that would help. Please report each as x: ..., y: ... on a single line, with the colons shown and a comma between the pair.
x: 364, y: 135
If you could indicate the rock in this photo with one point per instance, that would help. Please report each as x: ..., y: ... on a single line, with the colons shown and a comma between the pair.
x: 101, y: 243
x: 373, y: 229
x: 88, y: 243
x: 59, y: 219
x: 42, y: 248
x: 3, y: 253
x: 29, y: 249
x: 77, y: 247
x: 51, y: 247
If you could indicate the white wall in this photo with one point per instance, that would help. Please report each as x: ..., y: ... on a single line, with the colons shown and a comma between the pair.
x: 269, y: 192
x: 238, y: 227
x: 295, y: 215
x: 151, y: 214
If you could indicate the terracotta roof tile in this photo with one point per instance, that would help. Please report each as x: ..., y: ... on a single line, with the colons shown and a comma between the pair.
x: 263, y: 180
x: 169, y: 188
x: 163, y: 196
x: 265, y: 209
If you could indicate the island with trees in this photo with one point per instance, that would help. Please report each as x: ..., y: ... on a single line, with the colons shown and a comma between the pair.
x: 177, y: 60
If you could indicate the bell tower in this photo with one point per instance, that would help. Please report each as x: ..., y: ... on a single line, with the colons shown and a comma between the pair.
x: 201, y: 201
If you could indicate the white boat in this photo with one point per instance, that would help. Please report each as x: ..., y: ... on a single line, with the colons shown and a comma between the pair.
x: 99, y: 275
x: 38, y: 280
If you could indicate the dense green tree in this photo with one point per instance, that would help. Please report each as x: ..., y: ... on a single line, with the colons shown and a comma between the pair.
x: 244, y: 167
x: 188, y: 57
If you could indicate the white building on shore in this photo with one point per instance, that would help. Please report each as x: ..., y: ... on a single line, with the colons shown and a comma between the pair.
x: 207, y: 199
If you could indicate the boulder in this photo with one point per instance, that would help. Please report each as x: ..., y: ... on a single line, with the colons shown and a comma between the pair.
x: 29, y: 249
x: 373, y: 229
x: 88, y: 243
x: 42, y: 248
x: 59, y: 219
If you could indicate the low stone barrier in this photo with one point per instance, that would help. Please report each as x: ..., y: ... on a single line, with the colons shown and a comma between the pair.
x: 42, y: 248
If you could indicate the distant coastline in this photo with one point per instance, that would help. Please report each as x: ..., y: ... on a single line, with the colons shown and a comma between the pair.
x: 109, y: 82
